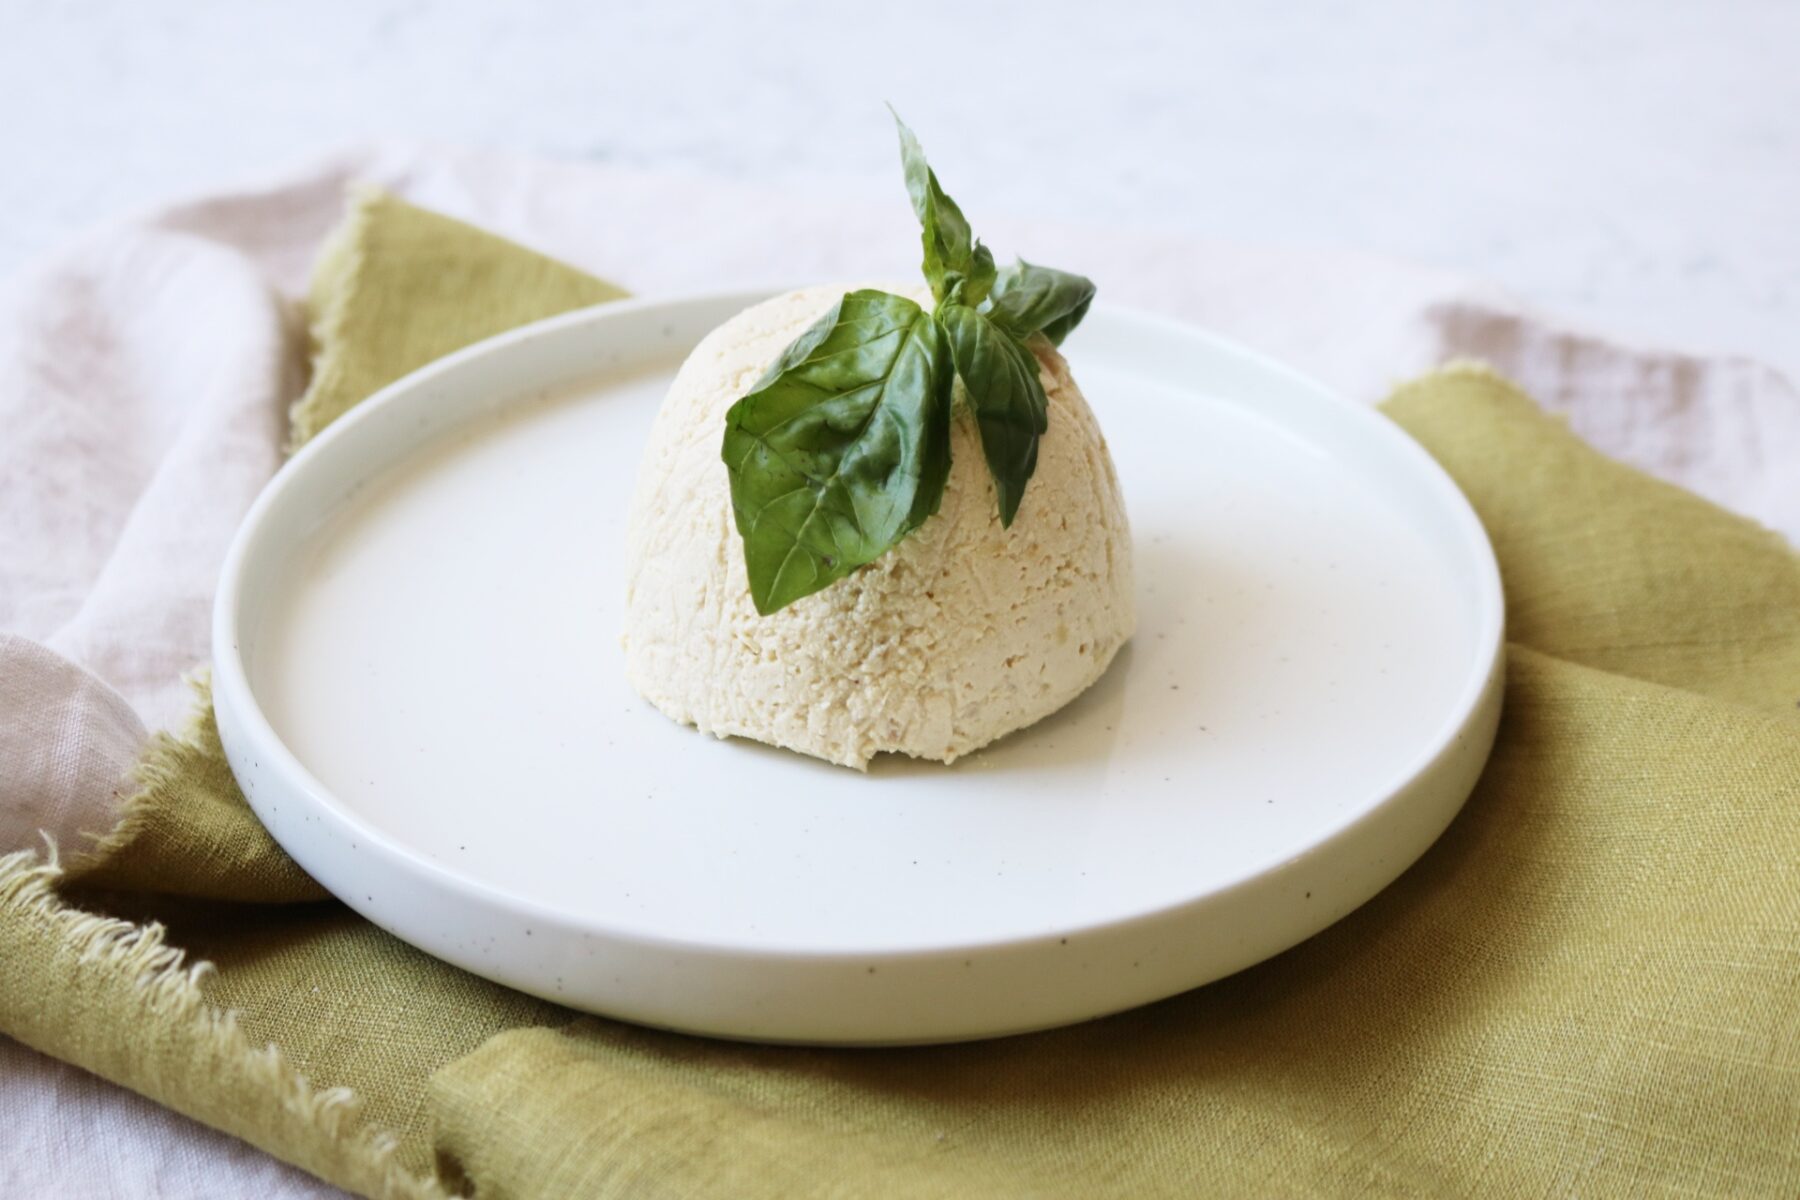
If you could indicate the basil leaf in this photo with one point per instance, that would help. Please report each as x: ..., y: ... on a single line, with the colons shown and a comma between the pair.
x: 1001, y: 376
x: 843, y: 450
x: 974, y: 288
x: 1030, y: 299
x: 950, y: 252
x: 801, y: 348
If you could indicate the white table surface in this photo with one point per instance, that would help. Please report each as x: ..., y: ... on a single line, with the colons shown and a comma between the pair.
x: 1634, y: 167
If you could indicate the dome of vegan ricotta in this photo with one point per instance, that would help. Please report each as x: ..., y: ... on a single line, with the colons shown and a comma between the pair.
x: 962, y: 633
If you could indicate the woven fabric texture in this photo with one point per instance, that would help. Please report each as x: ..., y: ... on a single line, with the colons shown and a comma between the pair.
x: 1590, y: 985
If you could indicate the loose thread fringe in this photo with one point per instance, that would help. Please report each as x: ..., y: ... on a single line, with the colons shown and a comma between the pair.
x: 157, y: 768
x: 335, y: 274
x: 319, y: 1129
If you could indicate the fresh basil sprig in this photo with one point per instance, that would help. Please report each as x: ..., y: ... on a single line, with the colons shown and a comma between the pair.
x: 843, y: 447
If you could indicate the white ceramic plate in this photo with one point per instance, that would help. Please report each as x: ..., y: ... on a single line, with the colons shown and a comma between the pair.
x: 419, y: 685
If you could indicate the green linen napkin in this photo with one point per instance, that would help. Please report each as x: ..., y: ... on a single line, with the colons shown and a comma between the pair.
x: 1590, y: 985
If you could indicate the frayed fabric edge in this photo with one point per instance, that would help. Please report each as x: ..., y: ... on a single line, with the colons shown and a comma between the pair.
x: 114, y: 978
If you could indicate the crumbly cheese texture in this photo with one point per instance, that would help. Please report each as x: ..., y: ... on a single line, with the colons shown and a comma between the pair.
x: 961, y: 634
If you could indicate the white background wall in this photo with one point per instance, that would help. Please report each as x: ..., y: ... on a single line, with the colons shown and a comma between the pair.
x: 1634, y: 166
